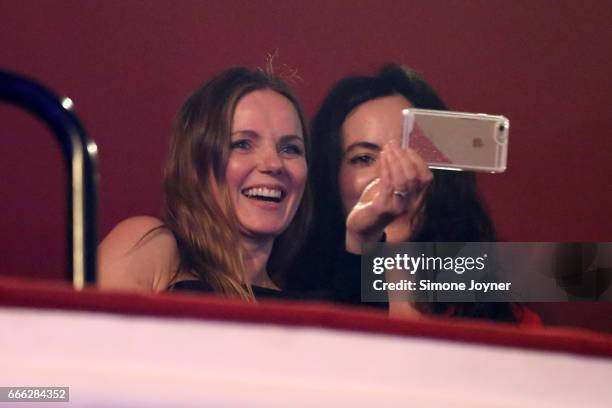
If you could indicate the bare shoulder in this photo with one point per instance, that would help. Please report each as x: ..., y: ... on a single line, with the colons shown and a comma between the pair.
x: 138, y: 254
x: 132, y: 231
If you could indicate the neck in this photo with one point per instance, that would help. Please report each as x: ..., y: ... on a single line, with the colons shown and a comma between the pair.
x: 256, y: 255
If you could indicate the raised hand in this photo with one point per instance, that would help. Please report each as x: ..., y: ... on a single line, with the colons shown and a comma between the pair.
x: 396, y: 198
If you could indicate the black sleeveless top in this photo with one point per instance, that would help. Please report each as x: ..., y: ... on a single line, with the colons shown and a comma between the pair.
x: 346, y: 286
x: 258, y: 291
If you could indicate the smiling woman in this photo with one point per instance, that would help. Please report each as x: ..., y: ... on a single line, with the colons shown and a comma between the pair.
x: 234, y: 186
x: 266, y: 170
x: 368, y: 189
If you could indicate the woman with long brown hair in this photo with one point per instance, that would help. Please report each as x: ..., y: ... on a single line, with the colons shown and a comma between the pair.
x: 236, y: 202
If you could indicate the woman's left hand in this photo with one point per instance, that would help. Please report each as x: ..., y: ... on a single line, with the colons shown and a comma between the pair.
x: 398, y: 192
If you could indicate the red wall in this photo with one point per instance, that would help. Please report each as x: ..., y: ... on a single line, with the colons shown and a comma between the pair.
x: 128, y: 65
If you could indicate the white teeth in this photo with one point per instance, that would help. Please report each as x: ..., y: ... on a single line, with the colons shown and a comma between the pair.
x: 263, y: 192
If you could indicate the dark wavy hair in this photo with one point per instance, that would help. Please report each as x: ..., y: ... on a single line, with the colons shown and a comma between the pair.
x: 453, y: 210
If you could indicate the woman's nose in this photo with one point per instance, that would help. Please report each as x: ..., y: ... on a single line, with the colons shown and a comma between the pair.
x: 270, y: 161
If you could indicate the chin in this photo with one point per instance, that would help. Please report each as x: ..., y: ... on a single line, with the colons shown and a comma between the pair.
x: 260, y: 231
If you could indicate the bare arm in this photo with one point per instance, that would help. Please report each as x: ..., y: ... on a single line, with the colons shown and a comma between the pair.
x: 137, y: 255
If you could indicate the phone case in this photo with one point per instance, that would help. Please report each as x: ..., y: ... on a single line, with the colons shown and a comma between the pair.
x: 457, y: 141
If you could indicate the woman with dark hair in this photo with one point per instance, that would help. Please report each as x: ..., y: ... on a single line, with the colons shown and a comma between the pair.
x: 355, y: 135
x: 235, y: 193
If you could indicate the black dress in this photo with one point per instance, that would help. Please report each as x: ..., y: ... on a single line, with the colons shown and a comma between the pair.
x: 344, y: 286
x: 258, y: 291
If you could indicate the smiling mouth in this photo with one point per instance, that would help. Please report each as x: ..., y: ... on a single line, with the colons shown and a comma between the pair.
x: 268, y: 194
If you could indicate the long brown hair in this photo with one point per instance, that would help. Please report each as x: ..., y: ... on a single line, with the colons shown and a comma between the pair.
x: 205, y: 226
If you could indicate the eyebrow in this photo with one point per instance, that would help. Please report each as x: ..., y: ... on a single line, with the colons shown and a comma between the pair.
x: 363, y: 145
x: 250, y: 133
x: 253, y: 134
x: 288, y: 138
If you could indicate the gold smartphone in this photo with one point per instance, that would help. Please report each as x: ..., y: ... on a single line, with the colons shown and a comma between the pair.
x: 457, y: 141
